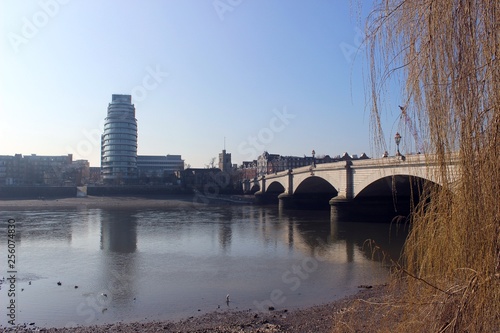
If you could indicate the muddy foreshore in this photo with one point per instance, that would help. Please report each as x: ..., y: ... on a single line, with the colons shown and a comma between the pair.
x: 167, y: 201
x: 362, y: 312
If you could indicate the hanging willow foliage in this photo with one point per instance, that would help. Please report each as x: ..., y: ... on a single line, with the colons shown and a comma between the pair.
x: 446, y: 53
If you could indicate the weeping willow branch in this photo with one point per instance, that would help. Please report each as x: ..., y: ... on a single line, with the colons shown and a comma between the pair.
x: 446, y: 53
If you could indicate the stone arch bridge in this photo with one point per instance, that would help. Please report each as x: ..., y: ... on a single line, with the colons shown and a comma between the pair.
x: 343, y: 182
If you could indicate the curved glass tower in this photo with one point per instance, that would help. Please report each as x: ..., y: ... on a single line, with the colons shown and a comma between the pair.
x: 119, y: 141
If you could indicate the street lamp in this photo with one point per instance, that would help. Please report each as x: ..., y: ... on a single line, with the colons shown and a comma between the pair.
x: 313, y: 161
x: 397, y: 138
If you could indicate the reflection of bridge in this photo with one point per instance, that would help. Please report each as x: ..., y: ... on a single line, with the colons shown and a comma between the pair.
x: 344, y: 181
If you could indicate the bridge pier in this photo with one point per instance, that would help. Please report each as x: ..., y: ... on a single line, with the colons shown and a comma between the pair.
x: 314, y: 201
x: 339, y: 207
x: 264, y: 198
x: 374, y: 209
x: 286, y: 201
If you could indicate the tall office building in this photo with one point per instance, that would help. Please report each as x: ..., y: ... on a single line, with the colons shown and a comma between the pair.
x: 119, y: 141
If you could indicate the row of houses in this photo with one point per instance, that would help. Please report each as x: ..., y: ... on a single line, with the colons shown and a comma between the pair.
x: 272, y: 163
x: 43, y: 170
x: 33, y: 170
x: 62, y: 170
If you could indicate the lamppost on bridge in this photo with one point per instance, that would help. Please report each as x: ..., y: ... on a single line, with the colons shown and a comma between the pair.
x: 397, y: 138
x: 313, y: 160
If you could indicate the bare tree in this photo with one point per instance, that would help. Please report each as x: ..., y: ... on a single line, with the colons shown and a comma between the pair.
x: 211, y: 164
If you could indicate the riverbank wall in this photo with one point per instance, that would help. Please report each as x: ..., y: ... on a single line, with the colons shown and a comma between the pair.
x: 52, y: 192
x: 37, y: 192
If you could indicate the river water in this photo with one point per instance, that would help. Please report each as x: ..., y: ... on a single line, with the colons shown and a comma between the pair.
x: 149, y: 264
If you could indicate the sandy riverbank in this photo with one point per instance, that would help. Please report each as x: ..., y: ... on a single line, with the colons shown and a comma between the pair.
x: 118, y: 202
x: 363, y: 312
x: 107, y: 202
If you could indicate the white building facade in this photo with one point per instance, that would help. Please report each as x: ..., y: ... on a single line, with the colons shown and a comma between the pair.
x: 119, y: 141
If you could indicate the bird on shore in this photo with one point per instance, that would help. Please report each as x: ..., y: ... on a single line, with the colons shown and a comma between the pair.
x: 227, y: 299
x: 59, y: 283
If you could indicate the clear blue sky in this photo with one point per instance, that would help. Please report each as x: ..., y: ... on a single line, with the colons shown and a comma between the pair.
x: 266, y: 75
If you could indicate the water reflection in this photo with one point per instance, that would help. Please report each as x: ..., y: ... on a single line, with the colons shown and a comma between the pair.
x: 171, y: 262
x: 119, y: 244
x: 312, y: 231
x: 388, y: 237
x: 44, y: 226
x: 225, y: 229
x: 118, y: 231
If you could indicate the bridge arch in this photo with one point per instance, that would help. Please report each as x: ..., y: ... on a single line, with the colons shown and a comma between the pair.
x: 395, y: 185
x: 392, y: 195
x: 255, y: 188
x: 315, y: 184
x: 269, y: 192
x: 314, y: 192
x: 394, y: 180
x: 275, y: 188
